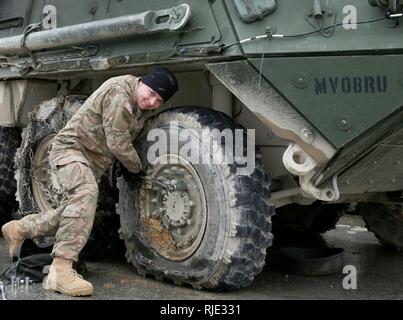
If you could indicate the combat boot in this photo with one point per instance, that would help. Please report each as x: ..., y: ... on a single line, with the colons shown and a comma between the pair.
x: 13, y: 234
x: 64, y: 279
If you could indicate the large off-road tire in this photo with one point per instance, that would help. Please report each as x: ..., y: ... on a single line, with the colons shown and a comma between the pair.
x: 10, y: 138
x: 34, y: 188
x: 316, y: 218
x: 385, y: 221
x: 213, y: 231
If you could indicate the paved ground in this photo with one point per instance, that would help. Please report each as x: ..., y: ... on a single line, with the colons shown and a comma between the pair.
x: 379, y: 276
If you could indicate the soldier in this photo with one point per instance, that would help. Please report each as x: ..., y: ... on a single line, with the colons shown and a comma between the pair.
x: 101, y: 130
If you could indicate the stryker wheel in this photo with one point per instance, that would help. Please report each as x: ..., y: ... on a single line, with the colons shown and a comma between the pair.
x: 213, y: 229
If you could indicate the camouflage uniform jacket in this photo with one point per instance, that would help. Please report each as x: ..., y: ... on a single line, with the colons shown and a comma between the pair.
x: 103, y: 128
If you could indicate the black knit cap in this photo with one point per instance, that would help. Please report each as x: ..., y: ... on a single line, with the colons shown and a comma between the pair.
x: 162, y: 81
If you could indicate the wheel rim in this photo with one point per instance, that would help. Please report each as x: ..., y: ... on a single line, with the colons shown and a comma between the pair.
x: 45, y: 198
x: 174, y: 221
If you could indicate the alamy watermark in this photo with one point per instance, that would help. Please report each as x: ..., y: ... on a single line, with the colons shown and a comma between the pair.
x: 350, y: 19
x: 350, y: 280
x: 19, y: 286
x: 204, y: 146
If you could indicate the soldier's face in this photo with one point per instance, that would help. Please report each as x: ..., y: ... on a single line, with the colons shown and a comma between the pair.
x: 147, y: 98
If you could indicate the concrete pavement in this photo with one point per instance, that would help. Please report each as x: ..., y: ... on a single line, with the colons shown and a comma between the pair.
x: 379, y: 276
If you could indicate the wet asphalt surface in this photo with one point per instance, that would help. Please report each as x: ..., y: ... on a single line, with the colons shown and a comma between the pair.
x: 379, y: 276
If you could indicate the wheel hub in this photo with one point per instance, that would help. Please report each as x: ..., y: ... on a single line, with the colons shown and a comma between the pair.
x: 175, y: 219
x: 176, y: 209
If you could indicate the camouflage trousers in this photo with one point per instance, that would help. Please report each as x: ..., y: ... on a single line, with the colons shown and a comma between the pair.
x: 71, y: 223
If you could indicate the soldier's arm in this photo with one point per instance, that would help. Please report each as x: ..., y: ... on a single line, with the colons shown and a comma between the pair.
x: 116, y: 122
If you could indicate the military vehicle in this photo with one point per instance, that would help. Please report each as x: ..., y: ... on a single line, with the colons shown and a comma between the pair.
x: 318, y: 81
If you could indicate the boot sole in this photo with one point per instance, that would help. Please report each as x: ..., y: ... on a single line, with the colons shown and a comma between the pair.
x: 50, y: 286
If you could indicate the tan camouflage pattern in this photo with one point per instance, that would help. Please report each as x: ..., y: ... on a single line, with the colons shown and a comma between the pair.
x: 102, y: 129
x: 72, y: 221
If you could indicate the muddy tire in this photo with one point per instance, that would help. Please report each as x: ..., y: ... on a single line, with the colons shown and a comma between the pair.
x: 10, y: 138
x: 385, y: 221
x: 34, y: 188
x: 316, y: 218
x: 213, y: 231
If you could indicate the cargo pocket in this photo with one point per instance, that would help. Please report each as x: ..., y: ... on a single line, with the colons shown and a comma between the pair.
x: 72, y: 175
